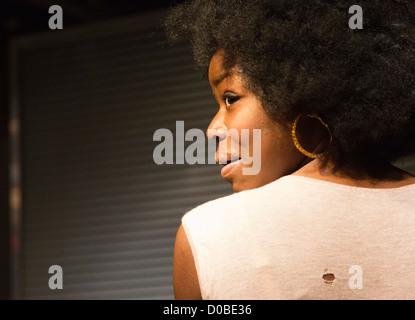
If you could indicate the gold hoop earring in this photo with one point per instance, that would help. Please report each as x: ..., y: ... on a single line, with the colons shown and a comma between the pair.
x: 297, y: 144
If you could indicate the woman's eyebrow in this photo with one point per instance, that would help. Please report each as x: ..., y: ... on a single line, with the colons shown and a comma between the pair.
x: 222, y: 77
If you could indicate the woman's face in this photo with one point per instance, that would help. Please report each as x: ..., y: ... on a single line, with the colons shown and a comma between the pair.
x: 240, y: 109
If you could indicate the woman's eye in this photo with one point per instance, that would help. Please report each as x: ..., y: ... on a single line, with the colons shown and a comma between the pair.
x: 230, y: 99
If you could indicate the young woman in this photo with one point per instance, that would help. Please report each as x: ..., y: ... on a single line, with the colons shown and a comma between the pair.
x: 328, y: 216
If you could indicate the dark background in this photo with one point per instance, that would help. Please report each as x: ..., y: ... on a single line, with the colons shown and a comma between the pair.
x: 23, y: 17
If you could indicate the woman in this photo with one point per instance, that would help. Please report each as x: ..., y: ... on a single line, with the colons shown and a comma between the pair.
x: 328, y: 216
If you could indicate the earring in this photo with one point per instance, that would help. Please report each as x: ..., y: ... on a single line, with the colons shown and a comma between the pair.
x: 297, y: 144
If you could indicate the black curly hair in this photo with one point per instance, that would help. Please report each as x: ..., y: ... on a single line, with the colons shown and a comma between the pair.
x: 301, y: 57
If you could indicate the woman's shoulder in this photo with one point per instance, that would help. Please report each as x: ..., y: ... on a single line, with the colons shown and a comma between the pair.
x: 296, y: 190
x: 236, y: 202
x: 209, y: 208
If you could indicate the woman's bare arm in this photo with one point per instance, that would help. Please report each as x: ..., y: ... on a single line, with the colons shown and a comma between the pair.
x: 185, y: 280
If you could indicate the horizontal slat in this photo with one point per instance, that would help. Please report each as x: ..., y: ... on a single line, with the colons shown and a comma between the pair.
x: 123, y: 66
x: 94, y: 201
x: 134, y: 46
x: 146, y: 293
x: 39, y: 250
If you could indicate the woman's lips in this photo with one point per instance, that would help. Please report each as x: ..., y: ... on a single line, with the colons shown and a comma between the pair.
x: 229, y: 167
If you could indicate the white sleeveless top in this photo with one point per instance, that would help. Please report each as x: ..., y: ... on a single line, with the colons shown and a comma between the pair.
x: 302, y: 238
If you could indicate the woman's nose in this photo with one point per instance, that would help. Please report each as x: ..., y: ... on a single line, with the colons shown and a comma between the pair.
x: 217, y: 130
x: 217, y: 127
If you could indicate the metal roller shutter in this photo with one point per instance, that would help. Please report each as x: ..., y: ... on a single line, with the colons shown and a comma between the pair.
x: 93, y: 200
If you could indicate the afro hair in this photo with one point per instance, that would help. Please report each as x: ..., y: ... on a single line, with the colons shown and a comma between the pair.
x: 302, y: 57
